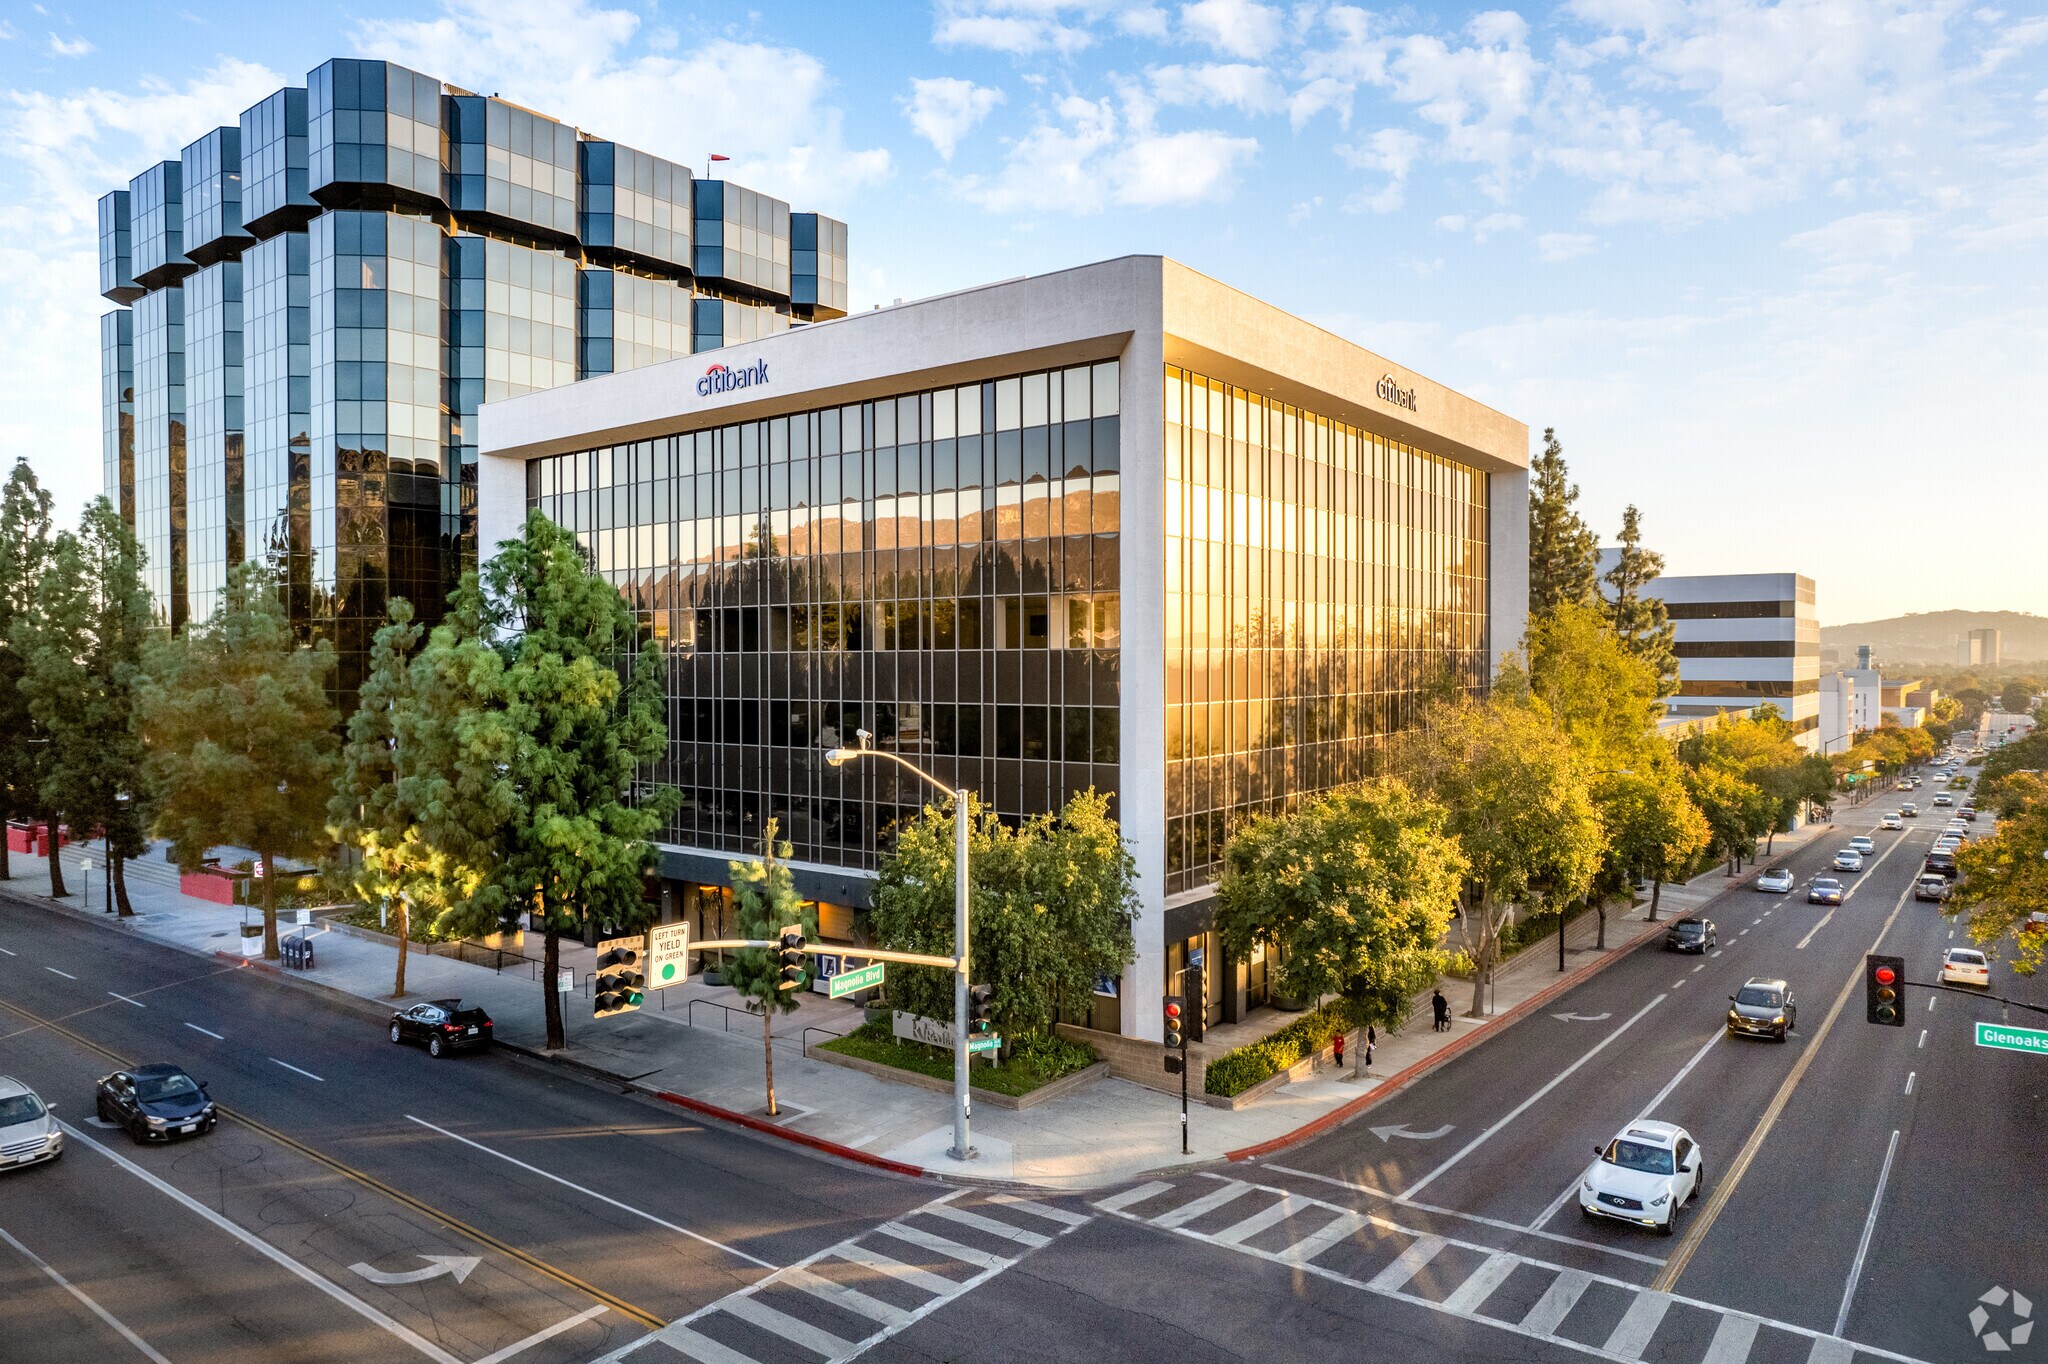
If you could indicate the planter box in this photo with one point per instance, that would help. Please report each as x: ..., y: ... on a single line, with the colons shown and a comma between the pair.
x: 206, y: 885
x: 1300, y: 1070
x: 1059, y: 1088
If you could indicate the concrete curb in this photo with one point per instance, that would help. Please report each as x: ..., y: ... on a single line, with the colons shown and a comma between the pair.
x: 753, y: 1124
x: 1336, y: 1117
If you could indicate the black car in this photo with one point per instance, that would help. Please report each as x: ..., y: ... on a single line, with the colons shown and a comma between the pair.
x: 1690, y: 935
x: 445, y: 1025
x: 1762, y: 1008
x: 156, y: 1103
x: 1941, y: 864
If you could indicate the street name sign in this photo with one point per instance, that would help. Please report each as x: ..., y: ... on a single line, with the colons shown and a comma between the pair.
x: 852, y: 982
x: 668, y: 955
x: 2000, y: 1037
x: 988, y: 1043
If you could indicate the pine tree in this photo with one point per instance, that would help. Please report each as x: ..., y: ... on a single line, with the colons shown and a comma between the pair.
x: 1564, y: 554
x: 1640, y: 620
x: 24, y: 550
x: 764, y: 893
x: 241, y: 735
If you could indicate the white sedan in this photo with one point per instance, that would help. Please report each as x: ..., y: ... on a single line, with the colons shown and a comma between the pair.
x: 1848, y: 859
x: 1864, y: 844
x: 1778, y: 881
x: 1965, y: 966
x: 1892, y: 821
x: 1644, y: 1176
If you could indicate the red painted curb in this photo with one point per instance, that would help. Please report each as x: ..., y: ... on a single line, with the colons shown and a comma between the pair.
x: 754, y: 1124
x: 1402, y: 1079
x: 236, y: 959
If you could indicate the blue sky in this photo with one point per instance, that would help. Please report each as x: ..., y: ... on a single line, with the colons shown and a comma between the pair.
x: 1773, y: 271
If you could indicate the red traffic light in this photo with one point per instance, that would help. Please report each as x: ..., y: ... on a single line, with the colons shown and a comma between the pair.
x: 1173, y: 1011
x: 1885, y: 975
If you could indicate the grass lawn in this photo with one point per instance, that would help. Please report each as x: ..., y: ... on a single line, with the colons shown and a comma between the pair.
x: 1048, y: 1061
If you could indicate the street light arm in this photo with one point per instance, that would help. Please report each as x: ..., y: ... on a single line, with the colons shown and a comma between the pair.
x: 904, y: 762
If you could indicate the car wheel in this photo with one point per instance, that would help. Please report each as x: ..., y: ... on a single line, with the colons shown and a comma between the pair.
x: 1588, y: 1213
x: 396, y: 1036
x: 434, y: 1047
x: 1699, y: 1182
x: 100, y: 1110
x: 140, y: 1136
x: 1669, y: 1226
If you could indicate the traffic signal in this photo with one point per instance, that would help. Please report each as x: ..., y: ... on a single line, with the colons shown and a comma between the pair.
x: 1197, y: 1004
x: 1173, y: 1010
x: 619, y: 978
x: 980, y: 1000
x: 791, y: 957
x: 1884, y: 991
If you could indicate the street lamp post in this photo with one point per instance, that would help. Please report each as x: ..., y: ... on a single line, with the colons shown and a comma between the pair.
x: 838, y: 757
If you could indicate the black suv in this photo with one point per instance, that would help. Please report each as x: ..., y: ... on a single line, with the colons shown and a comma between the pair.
x: 1690, y: 935
x: 1763, y: 1007
x: 1941, y: 864
x: 445, y: 1025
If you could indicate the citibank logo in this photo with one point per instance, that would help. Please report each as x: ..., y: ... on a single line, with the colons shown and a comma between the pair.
x: 1392, y: 392
x: 724, y: 378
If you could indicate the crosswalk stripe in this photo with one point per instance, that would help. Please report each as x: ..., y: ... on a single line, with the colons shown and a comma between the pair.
x: 1045, y: 1210
x: 701, y: 1348
x: 990, y: 1225
x: 1830, y: 1350
x: 1484, y: 1280
x: 1732, y: 1339
x: 1131, y: 1197
x: 876, y: 1262
x: 940, y: 1245
x: 1315, y: 1243
x: 1208, y: 1202
x: 823, y: 1342
x: 1631, y: 1335
x: 848, y: 1299
x: 1557, y: 1302
x: 1407, y: 1264
x: 1271, y: 1216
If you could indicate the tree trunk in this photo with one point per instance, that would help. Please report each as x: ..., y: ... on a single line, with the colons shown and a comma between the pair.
x: 1600, y: 907
x: 768, y: 1056
x: 404, y: 941
x: 270, y: 952
x: 6, y: 851
x: 121, y: 886
x: 551, y: 1002
x: 57, y: 890
x: 1656, y: 897
x: 1482, y: 960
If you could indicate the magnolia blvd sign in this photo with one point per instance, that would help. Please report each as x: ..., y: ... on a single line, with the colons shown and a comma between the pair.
x: 724, y: 378
x: 1391, y: 391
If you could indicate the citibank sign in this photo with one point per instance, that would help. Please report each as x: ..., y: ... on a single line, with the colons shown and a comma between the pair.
x: 1392, y: 392
x: 724, y: 378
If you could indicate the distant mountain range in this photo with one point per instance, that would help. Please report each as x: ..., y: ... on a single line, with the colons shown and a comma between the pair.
x: 1930, y: 637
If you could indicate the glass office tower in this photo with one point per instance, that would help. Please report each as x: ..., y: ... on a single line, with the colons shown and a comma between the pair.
x: 1119, y: 527
x: 315, y: 303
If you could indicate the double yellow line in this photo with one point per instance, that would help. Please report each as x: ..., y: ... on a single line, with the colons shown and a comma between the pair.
x: 399, y: 1196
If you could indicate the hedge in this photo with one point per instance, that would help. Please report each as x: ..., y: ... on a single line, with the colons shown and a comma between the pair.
x: 1033, y: 1061
x: 1239, y: 1069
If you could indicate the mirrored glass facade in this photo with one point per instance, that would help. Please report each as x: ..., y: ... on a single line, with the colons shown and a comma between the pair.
x: 939, y: 568
x: 635, y: 205
x: 157, y: 226
x: 817, y: 265
x: 511, y: 165
x: 213, y: 431
x: 274, y: 167
x: 373, y: 126
x: 117, y: 267
x: 211, y: 170
x: 1315, y: 572
x: 627, y: 320
x: 277, y: 385
x: 160, y: 450
x: 742, y: 237
x: 117, y: 409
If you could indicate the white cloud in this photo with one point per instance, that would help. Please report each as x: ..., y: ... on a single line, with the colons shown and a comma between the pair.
x: 69, y: 47
x: 1553, y: 247
x: 1239, y: 85
x: 1146, y: 21
x: 945, y: 109
x: 1180, y: 168
x: 1491, y: 225
x: 1304, y: 210
x: 1085, y: 158
x: 1883, y: 235
x: 1240, y: 28
x: 764, y: 106
x: 1391, y: 152
x: 1018, y: 27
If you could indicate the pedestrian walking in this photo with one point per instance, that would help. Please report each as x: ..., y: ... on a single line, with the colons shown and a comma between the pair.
x: 1441, y: 1008
x: 1371, y: 1040
x: 1338, y: 1054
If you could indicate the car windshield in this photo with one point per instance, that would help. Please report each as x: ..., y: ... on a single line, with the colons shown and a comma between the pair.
x: 20, y: 1108
x: 1826, y: 883
x: 1688, y: 929
x: 1758, y: 997
x: 1965, y: 957
x: 1635, y: 1155
x: 151, y: 1088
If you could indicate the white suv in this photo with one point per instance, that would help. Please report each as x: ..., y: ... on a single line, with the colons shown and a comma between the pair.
x: 1645, y: 1175
x: 28, y: 1132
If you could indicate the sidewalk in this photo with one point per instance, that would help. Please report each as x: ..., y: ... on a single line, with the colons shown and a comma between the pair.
x: 1106, y: 1133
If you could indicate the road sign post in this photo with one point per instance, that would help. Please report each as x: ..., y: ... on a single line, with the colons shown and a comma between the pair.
x: 853, y: 982
x: 668, y: 955
x: 2001, y: 1037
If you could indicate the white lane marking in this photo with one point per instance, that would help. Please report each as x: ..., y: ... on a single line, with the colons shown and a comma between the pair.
x: 460, y: 1266
x: 208, y: 1031
x: 1202, y: 1206
x: 545, y: 1333
x: 1715, y: 953
x: 1648, y: 1109
x: 993, y: 1226
x: 268, y: 1251
x: 793, y: 1329
x: 1527, y: 1103
x: 1821, y: 923
x: 1701, y: 967
x: 1477, y: 1289
x: 1909, y: 1080
x: 289, y: 1066
x: 1462, y: 1216
x: 1045, y: 1210
x: 1951, y: 935
x: 592, y: 1193
x: 125, y: 1000
x: 1407, y: 1264
x: 1921, y: 1045
x: 1680, y: 981
x: 1631, y: 1335
x: 1557, y: 1302
x: 55, y: 972
x: 1930, y: 1002
x: 1869, y: 1226
x: 839, y: 1295
x: 1753, y: 925
x: 75, y: 1291
x: 1272, y: 1216
x: 1118, y: 1202
x: 11, y: 954
x: 1743, y: 934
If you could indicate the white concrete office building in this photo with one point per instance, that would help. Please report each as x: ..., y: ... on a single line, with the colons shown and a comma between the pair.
x: 1119, y: 526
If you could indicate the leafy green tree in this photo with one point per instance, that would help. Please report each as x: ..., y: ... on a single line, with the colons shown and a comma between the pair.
x: 1353, y: 892
x: 24, y: 551
x: 2016, y: 698
x: 240, y: 734
x: 1053, y: 901
x: 87, y: 634
x: 562, y: 705
x: 1564, y: 553
x: 1654, y: 827
x: 1736, y: 810
x: 1640, y: 620
x: 765, y: 901
x: 1519, y: 807
x: 2003, y: 885
x: 1603, y: 695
